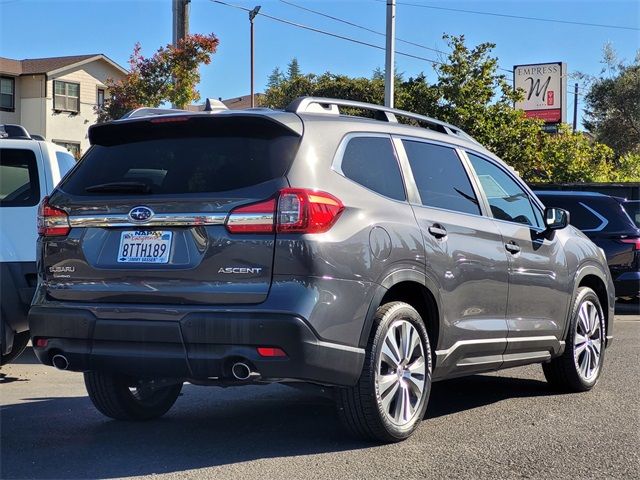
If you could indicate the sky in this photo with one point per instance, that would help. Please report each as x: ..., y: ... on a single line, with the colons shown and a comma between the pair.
x: 41, y: 28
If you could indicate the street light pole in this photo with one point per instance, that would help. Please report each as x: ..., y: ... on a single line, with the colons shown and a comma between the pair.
x: 389, y: 70
x: 252, y: 15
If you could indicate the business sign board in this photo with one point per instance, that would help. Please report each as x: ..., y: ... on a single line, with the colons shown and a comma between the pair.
x: 545, y: 88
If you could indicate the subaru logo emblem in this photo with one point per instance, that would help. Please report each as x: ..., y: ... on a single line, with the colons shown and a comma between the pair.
x: 140, y: 214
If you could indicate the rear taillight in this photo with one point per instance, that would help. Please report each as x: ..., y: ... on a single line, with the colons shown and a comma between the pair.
x: 633, y: 241
x: 254, y: 218
x: 299, y: 210
x: 52, y: 221
x: 302, y: 210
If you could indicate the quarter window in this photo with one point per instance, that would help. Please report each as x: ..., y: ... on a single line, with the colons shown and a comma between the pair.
x: 440, y: 177
x: 7, y: 94
x: 371, y: 162
x: 19, y: 186
x: 507, y: 199
x: 66, y: 96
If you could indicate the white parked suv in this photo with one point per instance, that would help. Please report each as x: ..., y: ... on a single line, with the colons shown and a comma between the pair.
x: 29, y: 170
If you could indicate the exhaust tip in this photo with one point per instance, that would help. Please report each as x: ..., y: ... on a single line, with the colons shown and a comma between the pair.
x: 240, y: 371
x: 60, y: 362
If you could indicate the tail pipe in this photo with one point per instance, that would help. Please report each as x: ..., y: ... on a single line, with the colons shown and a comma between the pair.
x: 60, y: 362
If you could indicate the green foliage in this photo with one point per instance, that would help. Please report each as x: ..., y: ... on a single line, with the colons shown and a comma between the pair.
x: 170, y: 75
x: 293, y: 69
x: 613, y: 104
x: 472, y: 94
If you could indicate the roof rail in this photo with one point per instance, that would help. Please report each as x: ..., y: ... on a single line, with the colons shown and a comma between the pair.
x: 14, y: 131
x: 332, y: 106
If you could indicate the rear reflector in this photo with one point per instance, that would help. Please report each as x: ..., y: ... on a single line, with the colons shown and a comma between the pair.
x: 301, y: 210
x: 633, y: 241
x: 52, y: 221
x: 42, y: 342
x: 271, y: 352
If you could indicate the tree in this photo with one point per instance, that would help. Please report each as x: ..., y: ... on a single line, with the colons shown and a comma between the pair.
x: 275, y: 78
x: 293, y: 69
x: 170, y: 75
x: 472, y: 94
x: 613, y: 104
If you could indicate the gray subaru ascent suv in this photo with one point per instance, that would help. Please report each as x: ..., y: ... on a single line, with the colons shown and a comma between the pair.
x: 306, y: 245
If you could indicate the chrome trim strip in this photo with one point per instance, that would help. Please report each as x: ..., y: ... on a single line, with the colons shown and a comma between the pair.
x: 461, y: 343
x: 158, y: 220
x: 603, y: 221
x: 250, y: 218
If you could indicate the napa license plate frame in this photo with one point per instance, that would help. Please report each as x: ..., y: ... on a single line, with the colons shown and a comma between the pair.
x: 145, y: 246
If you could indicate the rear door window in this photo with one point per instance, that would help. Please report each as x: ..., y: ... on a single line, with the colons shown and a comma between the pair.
x: 372, y: 163
x: 19, y: 183
x: 440, y: 177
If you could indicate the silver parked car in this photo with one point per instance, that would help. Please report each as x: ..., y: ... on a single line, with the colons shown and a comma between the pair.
x: 306, y: 245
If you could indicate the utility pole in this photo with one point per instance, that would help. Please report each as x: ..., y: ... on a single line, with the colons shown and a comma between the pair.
x: 180, y: 26
x: 389, y: 70
x: 252, y: 15
x: 180, y: 20
x: 575, y: 107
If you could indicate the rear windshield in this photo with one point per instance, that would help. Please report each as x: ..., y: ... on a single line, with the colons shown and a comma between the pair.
x: 185, y: 157
x: 633, y: 209
x: 19, y: 185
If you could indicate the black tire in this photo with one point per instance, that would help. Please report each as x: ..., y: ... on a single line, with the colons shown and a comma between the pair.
x: 112, y: 396
x: 562, y: 372
x: 359, y: 407
x: 20, y: 341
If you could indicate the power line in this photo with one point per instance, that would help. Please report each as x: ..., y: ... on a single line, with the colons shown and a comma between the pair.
x: 343, y: 37
x: 361, y: 27
x: 519, y: 17
x: 324, y: 32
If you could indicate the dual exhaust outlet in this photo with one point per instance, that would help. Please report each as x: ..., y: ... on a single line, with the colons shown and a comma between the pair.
x: 240, y: 370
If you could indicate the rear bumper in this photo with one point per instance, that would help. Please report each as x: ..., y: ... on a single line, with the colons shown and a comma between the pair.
x: 627, y: 284
x: 201, y: 345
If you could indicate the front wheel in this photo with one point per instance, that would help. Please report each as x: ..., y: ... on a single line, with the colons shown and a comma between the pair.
x: 390, y: 398
x: 579, y: 367
x: 125, y: 398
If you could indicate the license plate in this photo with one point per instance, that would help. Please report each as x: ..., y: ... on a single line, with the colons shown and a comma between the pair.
x: 144, y: 246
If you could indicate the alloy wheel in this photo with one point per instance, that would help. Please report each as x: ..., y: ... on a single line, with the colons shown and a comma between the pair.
x: 588, y: 341
x: 401, y: 373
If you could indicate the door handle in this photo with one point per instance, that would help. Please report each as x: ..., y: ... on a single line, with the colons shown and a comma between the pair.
x: 437, y: 231
x: 512, y: 247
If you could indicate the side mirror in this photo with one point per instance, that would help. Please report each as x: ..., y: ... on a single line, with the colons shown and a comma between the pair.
x: 556, y: 218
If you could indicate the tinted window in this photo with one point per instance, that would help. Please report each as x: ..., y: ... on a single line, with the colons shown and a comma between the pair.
x: 19, y: 186
x: 371, y: 162
x: 185, y: 157
x: 592, y: 214
x: 65, y: 162
x: 507, y: 199
x: 440, y: 177
x: 633, y: 209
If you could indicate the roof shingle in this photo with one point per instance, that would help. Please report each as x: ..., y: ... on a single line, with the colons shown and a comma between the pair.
x: 31, y: 66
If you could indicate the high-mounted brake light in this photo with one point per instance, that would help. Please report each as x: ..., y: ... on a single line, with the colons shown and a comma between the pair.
x: 51, y: 220
x: 301, y: 210
x: 633, y: 241
x: 169, y: 119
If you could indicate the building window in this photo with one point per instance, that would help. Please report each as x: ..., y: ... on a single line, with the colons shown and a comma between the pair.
x: 7, y: 94
x: 100, y: 98
x: 73, y: 147
x: 66, y: 96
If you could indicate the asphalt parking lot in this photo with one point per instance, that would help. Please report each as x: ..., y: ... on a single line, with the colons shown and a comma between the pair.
x: 501, y: 425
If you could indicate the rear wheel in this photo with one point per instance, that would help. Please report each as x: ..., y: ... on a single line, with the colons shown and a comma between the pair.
x: 579, y: 367
x: 20, y: 341
x: 124, y: 398
x: 390, y: 398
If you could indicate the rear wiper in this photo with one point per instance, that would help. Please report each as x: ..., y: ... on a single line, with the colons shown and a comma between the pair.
x: 127, y: 187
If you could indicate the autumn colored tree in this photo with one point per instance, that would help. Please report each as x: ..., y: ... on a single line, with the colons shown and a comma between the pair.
x: 170, y: 75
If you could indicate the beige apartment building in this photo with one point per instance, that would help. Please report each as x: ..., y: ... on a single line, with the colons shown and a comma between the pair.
x: 56, y: 97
